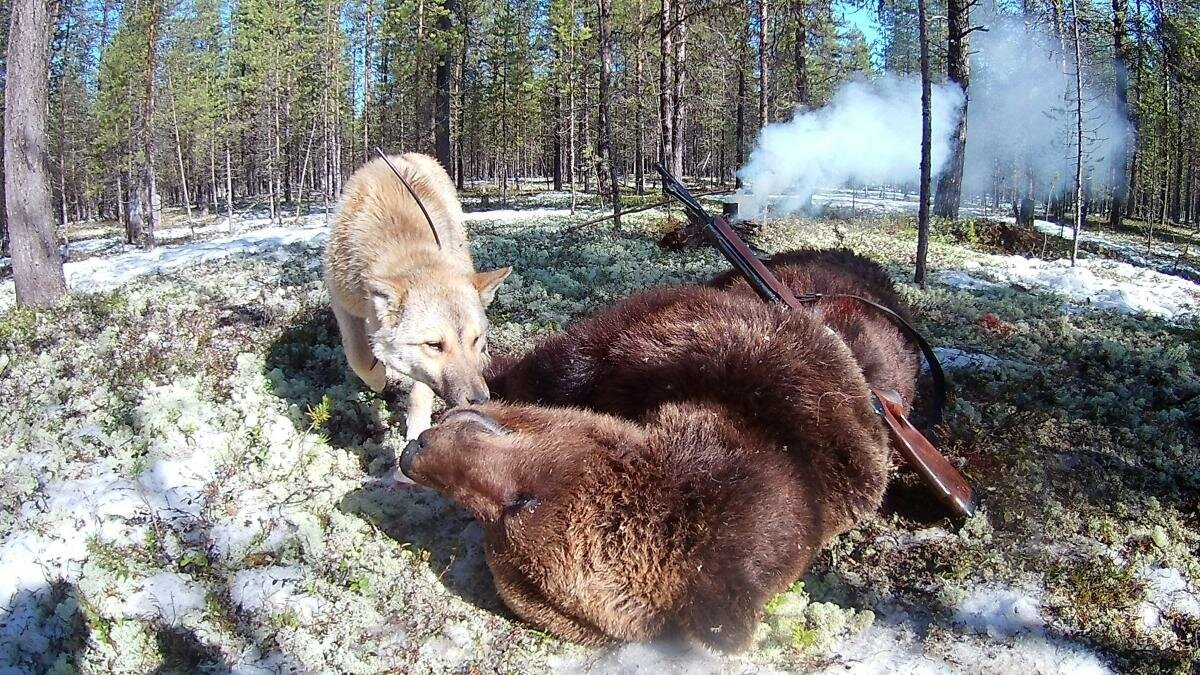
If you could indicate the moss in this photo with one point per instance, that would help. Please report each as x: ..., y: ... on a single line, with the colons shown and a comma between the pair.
x: 1101, y: 596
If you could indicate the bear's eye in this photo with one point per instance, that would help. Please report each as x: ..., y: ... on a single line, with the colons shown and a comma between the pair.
x: 520, y: 502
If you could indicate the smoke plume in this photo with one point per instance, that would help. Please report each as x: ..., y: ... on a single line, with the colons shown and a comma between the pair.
x: 1020, y: 127
x: 868, y: 133
x: 1021, y: 119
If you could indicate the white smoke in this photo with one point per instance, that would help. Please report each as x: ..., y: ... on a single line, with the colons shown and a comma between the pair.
x: 1021, y: 118
x: 1020, y: 127
x: 868, y: 133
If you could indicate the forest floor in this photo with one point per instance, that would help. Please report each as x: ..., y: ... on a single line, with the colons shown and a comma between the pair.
x: 193, y: 480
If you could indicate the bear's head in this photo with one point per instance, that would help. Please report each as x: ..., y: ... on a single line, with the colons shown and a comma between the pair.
x: 501, y: 460
x: 598, y: 528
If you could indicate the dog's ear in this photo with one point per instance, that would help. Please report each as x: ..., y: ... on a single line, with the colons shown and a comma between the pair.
x: 386, y: 296
x: 487, y: 283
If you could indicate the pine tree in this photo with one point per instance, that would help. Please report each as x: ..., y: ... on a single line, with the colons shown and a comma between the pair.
x: 37, y: 267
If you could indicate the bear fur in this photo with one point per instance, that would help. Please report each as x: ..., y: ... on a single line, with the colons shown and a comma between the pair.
x: 702, y: 447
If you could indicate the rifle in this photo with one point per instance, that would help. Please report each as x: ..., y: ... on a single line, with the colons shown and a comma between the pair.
x: 947, y: 483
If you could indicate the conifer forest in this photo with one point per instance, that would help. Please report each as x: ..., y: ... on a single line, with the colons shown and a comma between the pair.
x: 228, y: 374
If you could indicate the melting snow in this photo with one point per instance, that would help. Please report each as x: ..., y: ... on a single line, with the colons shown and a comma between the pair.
x: 165, y: 595
x: 509, y: 215
x: 1011, y: 640
x: 958, y: 359
x: 1101, y: 284
x: 254, y: 237
x: 273, y: 590
x: 655, y: 657
x: 1167, y: 592
x: 1000, y: 612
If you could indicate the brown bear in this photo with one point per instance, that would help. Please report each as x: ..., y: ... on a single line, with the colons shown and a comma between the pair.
x: 703, y: 447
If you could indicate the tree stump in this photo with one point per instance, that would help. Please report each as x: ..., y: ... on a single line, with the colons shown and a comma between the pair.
x: 1025, y: 213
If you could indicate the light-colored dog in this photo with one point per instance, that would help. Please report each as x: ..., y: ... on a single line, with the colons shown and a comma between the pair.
x: 403, y: 305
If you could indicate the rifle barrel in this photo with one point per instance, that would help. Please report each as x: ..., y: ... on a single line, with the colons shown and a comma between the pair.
x: 741, y: 260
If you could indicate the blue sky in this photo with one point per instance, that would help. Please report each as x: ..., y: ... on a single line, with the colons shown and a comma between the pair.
x: 862, y: 18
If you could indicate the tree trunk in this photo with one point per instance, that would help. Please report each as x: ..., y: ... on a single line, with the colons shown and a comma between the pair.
x: 462, y: 93
x: 441, y: 105
x: 801, y: 60
x: 740, y: 129
x: 679, y: 72
x: 1122, y: 63
x: 151, y: 203
x: 1180, y: 132
x: 923, y: 208
x: 764, y: 79
x: 571, y: 113
x: 1079, y: 211
x: 607, y: 160
x: 958, y: 69
x: 187, y: 202
x: 368, y: 24
x: 418, y: 47
x: 304, y: 166
x: 36, y: 261
x: 556, y: 168
x: 639, y: 137
x: 666, y: 83
x: 228, y: 174
x: 212, y: 167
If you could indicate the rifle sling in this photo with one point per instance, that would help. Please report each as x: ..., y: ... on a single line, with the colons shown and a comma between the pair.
x: 785, y: 295
x: 934, y: 468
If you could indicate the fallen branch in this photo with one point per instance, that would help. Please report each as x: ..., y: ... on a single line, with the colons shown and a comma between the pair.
x: 572, y: 229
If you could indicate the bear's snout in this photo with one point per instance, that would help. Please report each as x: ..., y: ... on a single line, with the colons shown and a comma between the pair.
x: 414, y: 448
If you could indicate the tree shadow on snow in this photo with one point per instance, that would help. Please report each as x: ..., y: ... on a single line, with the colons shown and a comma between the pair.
x: 53, y: 629
x: 427, y: 521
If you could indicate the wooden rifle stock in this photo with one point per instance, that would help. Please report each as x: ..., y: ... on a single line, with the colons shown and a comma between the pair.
x: 937, y: 472
x: 948, y: 484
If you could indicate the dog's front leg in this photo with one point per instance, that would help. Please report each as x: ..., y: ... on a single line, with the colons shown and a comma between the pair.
x: 420, y: 410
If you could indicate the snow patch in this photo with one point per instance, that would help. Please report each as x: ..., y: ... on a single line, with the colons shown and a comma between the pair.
x: 167, y: 596
x: 1095, y: 283
x: 1001, y: 612
x: 1167, y: 592
x: 510, y: 215
x: 105, y: 273
x: 898, y: 643
x: 653, y: 657
x: 959, y: 359
x: 963, y: 280
x: 37, y: 560
x: 273, y: 590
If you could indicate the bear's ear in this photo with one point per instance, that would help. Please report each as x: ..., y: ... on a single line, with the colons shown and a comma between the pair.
x: 488, y: 282
x: 723, y: 613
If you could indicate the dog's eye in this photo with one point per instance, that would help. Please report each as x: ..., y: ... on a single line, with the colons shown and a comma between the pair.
x: 435, y: 346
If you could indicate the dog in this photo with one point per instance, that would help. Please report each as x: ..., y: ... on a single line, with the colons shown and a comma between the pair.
x: 702, y: 447
x: 404, y: 305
